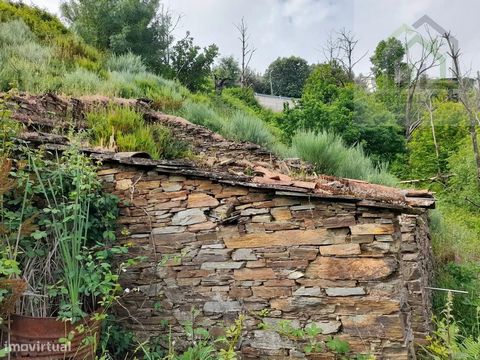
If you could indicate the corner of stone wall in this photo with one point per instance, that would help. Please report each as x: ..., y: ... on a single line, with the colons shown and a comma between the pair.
x: 416, y: 266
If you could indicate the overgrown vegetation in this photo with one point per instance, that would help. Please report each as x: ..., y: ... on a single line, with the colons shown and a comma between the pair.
x: 124, y: 129
x: 328, y: 153
x: 447, y: 341
x: 408, y: 125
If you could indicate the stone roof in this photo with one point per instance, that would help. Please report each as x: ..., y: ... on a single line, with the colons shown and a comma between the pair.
x: 226, y: 161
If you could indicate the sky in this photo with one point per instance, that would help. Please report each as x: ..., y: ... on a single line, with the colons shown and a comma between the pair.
x: 279, y: 28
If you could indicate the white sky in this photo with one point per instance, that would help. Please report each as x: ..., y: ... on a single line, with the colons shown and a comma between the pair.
x: 301, y: 27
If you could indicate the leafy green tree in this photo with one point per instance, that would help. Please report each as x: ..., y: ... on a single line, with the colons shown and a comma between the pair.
x: 191, y: 65
x: 288, y: 75
x: 331, y: 103
x: 257, y: 82
x: 117, y: 25
x: 226, y: 73
x: 450, y: 125
x: 390, y: 71
x: 325, y: 82
x: 388, y: 59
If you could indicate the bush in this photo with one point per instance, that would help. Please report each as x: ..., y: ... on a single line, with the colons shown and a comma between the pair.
x: 329, y: 155
x: 74, y: 51
x: 204, y: 115
x: 244, y: 127
x: 128, y: 63
x: 81, y: 82
x: 120, y: 84
x: 24, y: 63
x: 42, y: 24
x: 126, y: 129
x: 447, y: 342
x: 465, y: 307
x: 246, y: 95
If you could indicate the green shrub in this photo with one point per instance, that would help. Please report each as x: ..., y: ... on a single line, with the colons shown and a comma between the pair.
x: 24, y: 63
x: 329, y: 155
x: 244, y: 127
x: 324, y: 151
x: 202, y: 114
x: 246, y: 95
x: 128, y: 63
x: 120, y: 84
x: 126, y: 128
x: 81, y: 82
x: 447, y: 342
x: 74, y: 51
x: 140, y: 139
x: 42, y: 24
x: 15, y: 33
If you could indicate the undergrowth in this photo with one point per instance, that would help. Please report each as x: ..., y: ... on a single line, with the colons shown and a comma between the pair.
x: 35, y: 63
x: 125, y: 129
x: 329, y: 155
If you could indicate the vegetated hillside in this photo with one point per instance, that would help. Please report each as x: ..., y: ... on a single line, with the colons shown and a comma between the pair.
x: 338, y: 126
x: 42, y: 55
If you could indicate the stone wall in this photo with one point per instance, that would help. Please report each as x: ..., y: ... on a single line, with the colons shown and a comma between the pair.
x: 417, y: 269
x: 355, y: 271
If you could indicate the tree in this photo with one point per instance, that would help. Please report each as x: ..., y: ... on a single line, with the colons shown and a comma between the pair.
x: 287, y: 76
x: 340, y: 48
x: 192, y: 65
x: 469, y: 101
x: 117, y: 25
x: 226, y: 73
x: 418, y: 66
x: 324, y: 82
x: 165, y: 24
x: 331, y: 102
x: 247, y: 50
x: 257, y: 82
x: 444, y: 126
x: 388, y: 60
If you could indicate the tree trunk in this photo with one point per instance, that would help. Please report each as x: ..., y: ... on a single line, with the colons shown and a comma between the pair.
x: 435, y: 143
x: 473, y: 135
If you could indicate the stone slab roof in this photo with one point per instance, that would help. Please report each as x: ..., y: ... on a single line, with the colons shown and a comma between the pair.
x: 216, y: 158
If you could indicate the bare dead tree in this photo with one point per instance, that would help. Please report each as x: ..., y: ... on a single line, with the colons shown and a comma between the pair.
x: 347, y: 42
x: 247, y: 50
x: 431, y: 107
x: 340, y: 48
x: 417, y: 67
x: 166, y: 23
x: 469, y: 101
x: 331, y: 49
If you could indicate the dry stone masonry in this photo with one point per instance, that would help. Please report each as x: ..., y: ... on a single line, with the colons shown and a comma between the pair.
x: 235, y: 233
x: 357, y: 272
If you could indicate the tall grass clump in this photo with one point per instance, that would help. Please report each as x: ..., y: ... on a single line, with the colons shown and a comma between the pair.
x: 24, y: 63
x: 81, y: 82
x: 203, y: 114
x: 125, y: 129
x: 120, y: 84
x: 128, y: 62
x: 244, y: 127
x: 329, y: 155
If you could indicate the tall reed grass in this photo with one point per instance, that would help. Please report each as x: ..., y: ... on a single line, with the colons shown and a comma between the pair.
x: 329, y: 155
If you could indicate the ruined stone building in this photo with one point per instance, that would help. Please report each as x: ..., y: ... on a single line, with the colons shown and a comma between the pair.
x: 235, y: 232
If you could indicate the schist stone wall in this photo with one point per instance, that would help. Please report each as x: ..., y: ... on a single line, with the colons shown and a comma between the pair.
x: 359, y: 273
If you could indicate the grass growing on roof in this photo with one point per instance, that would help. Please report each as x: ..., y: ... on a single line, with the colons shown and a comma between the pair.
x: 244, y: 127
x: 329, y: 155
x: 128, y: 62
x: 203, y: 114
x: 126, y: 129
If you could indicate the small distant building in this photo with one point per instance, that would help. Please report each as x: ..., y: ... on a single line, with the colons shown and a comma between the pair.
x: 275, y: 103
